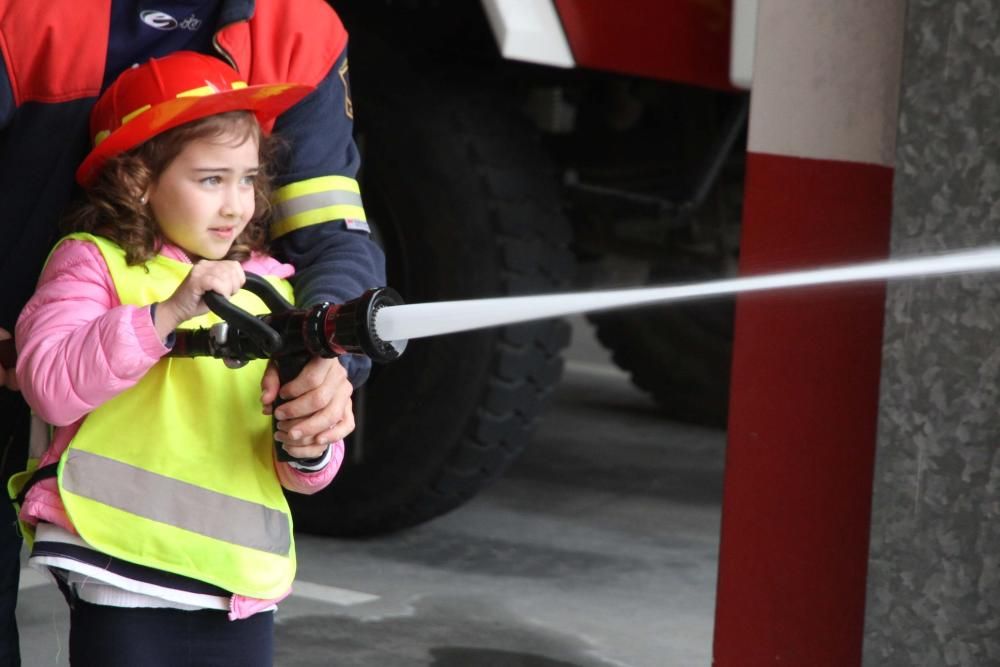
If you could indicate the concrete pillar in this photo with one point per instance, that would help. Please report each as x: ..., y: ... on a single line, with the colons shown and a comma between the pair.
x: 806, y: 365
x: 934, y: 576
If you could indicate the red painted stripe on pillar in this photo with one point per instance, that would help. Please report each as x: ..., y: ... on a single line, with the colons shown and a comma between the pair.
x: 802, y: 424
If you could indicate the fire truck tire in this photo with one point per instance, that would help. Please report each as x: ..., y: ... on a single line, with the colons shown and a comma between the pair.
x: 465, y: 207
x: 680, y: 355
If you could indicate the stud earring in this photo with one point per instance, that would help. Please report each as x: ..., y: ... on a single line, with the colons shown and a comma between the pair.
x: 142, y: 199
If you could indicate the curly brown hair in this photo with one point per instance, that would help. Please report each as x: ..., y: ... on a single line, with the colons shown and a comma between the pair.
x: 113, y: 209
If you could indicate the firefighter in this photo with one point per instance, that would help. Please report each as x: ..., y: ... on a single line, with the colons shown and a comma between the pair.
x: 59, y: 56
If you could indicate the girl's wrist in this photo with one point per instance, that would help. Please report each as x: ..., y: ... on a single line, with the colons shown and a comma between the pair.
x: 164, y: 319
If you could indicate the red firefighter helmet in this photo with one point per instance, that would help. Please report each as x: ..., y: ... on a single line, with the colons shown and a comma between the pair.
x: 166, y: 92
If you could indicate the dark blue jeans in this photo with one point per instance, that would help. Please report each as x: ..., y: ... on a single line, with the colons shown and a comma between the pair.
x: 102, y: 636
x: 13, y: 453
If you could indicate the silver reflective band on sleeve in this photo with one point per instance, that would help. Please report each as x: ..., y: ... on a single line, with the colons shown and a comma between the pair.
x: 315, y: 201
x: 180, y: 504
x: 297, y: 205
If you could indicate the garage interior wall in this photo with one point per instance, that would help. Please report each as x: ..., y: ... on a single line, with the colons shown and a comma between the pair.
x: 933, y: 592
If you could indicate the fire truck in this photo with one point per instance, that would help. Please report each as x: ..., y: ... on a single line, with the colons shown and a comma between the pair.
x: 525, y: 147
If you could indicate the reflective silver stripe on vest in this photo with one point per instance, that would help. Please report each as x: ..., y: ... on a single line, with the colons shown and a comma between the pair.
x: 296, y: 205
x: 160, y: 498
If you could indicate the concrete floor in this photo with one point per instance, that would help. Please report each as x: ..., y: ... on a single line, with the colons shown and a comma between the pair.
x: 598, y: 548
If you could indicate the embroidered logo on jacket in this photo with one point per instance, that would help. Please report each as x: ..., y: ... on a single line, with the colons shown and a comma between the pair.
x: 164, y: 21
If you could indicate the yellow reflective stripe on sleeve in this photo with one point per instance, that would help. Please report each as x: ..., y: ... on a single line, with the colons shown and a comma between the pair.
x: 315, y: 201
x: 314, y: 185
x: 316, y: 217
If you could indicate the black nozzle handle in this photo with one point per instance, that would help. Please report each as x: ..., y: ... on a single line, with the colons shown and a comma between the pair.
x: 267, y: 292
x: 254, y: 327
x: 262, y: 333
x: 289, y: 367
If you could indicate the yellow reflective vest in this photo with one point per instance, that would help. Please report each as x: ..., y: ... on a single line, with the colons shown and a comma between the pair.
x: 176, y: 473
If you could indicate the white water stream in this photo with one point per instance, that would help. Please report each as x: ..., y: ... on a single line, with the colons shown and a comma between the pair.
x: 406, y: 322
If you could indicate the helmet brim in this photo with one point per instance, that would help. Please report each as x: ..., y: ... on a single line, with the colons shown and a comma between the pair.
x: 266, y: 102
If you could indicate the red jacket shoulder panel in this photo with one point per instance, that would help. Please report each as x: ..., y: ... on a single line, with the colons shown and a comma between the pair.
x: 286, y: 42
x: 64, y: 58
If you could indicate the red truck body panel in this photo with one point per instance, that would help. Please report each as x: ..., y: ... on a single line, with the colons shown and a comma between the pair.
x: 678, y: 40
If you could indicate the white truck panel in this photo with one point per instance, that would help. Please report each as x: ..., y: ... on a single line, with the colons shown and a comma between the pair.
x: 529, y: 30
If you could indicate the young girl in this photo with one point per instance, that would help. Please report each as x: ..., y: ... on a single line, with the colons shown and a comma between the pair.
x: 165, y: 525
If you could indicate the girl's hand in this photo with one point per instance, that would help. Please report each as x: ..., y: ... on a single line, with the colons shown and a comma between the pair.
x: 223, y: 276
x: 319, y: 408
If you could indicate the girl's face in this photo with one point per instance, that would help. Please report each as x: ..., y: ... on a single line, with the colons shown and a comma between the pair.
x: 204, y: 198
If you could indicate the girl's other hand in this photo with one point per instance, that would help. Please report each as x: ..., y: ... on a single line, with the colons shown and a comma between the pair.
x: 223, y: 276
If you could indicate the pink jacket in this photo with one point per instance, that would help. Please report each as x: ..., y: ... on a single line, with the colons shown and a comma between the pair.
x: 78, y: 347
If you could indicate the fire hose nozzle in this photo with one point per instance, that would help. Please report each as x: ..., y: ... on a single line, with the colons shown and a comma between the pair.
x: 289, y: 333
x: 350, y: 327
